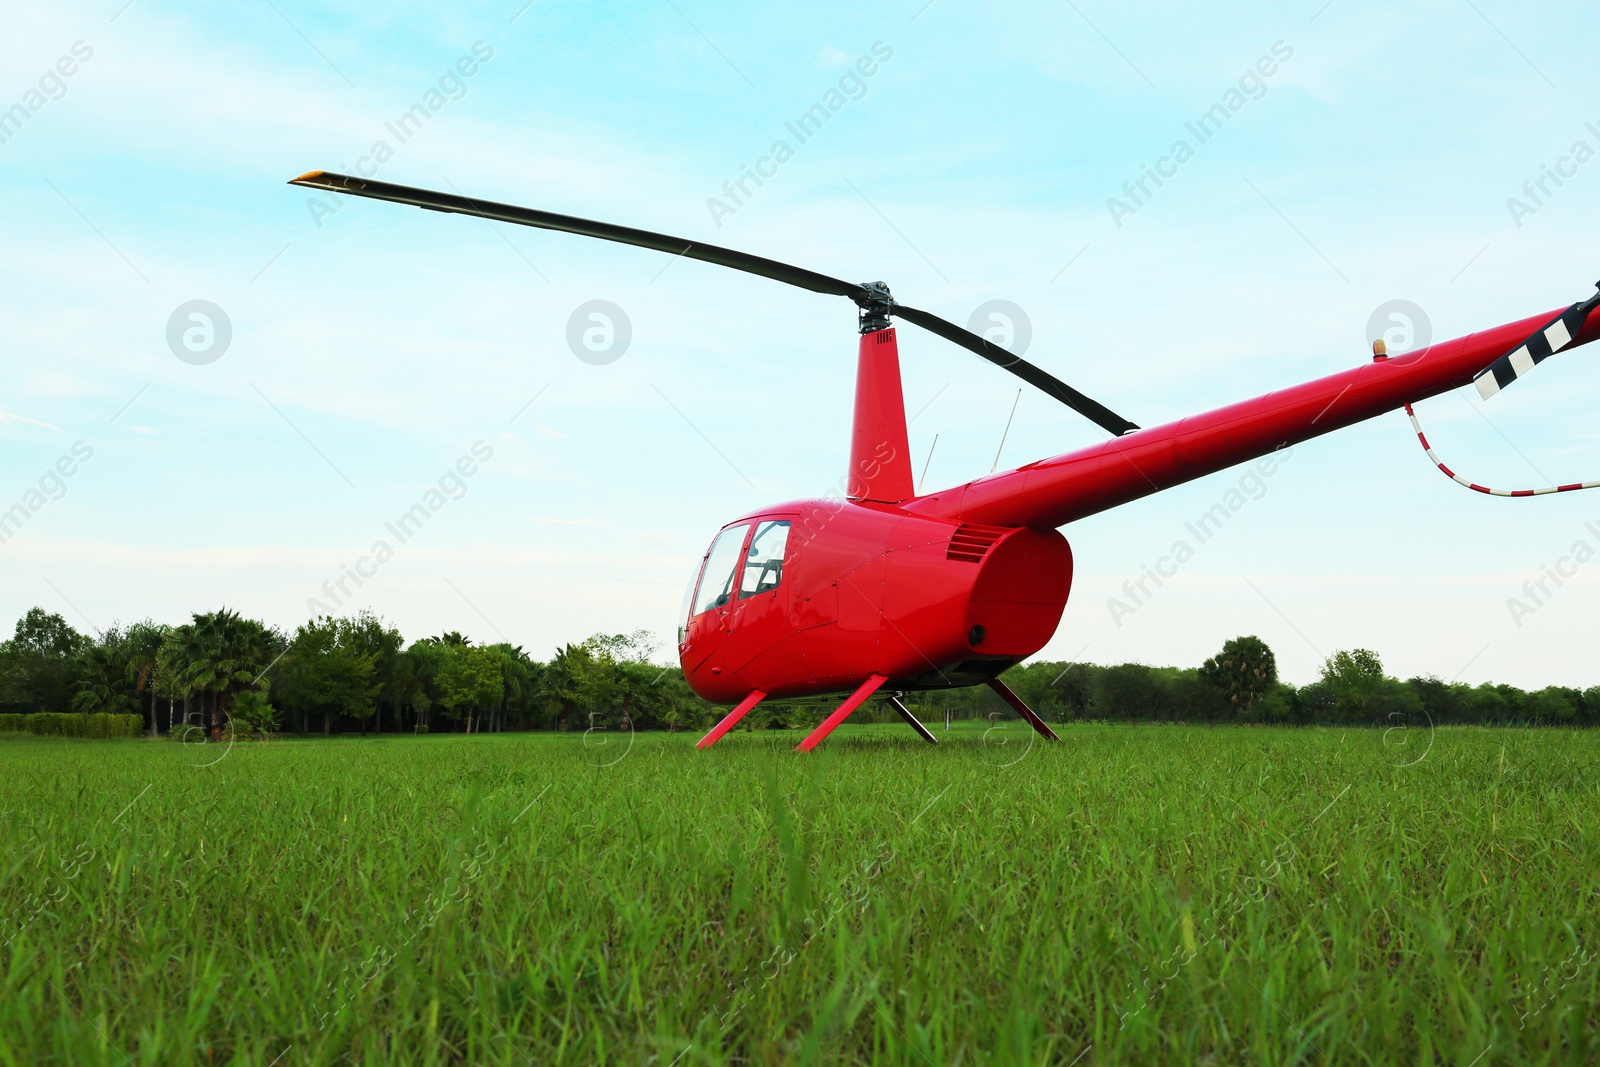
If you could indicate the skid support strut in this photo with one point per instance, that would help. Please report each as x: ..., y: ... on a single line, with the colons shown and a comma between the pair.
x: 912, y: 720
x: 731, y: 720
x: 840, y: 714
x: 1022, y: 709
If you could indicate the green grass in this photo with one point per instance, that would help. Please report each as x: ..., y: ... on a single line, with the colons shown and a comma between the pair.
x: 505, y: 900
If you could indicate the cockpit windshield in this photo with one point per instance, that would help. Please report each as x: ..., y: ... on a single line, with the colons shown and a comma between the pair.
x: 716, y: 580
x: 763, y: 563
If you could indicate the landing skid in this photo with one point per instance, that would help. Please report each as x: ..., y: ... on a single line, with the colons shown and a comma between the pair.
x: 859, y: 697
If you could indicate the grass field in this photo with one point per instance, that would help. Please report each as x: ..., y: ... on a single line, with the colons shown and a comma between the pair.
x: 1134, y: 895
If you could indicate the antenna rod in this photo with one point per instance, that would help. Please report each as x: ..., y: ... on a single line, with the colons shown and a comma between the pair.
x: 923, y: 476
x: 1003, y: 436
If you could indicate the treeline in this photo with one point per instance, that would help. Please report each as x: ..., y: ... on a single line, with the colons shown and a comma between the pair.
x: 1240, y: 685
x: 222, y: 671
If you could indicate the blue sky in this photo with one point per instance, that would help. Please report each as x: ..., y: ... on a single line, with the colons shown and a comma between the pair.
x: 373, y: 347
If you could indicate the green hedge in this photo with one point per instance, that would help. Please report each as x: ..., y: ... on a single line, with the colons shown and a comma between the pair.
x: 59, y: 724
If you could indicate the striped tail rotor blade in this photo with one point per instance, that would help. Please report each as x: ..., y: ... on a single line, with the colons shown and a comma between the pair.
x: 1544, y: 343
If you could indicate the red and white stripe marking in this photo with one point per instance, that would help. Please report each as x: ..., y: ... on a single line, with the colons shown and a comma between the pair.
x: 1474, y: 486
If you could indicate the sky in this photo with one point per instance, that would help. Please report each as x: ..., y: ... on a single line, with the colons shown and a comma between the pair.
x: 376, y: 353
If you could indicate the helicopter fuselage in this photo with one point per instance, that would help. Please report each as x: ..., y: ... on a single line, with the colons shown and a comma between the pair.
x: 867, y: 589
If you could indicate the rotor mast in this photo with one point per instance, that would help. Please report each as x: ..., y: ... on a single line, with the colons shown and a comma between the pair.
x: 880, y: 452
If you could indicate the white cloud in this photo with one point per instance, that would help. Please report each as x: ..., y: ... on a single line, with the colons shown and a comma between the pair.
x: 23, y: 420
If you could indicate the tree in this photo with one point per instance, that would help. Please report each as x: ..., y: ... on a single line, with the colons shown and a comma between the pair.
x: 613, y: 674
x: 636, y: 647
x: 141, y: 647
x: 1074, y: 686
x: 1352, y: 669
x: 672, y: 703
x: 1552, y: 706
x: 173, y: 662
x: 163, y: 683
x: 1354, y: 680
x: 519, y: 677
x: 1244, y: 672
x: 253, y: 715
x: 565, y: 684
x: 219, y: 654
x: 326, y: 671
x: 36, y: 665
x: 469, y: 680
x: 587, y: 679
x: 101, y: 684
x: 366, y: 635
x: 415, y: 672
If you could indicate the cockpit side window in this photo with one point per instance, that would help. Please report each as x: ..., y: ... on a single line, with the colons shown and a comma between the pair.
x: 716, y: 580
x: 763, y: 564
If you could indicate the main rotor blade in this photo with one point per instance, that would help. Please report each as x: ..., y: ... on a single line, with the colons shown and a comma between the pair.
x: 1093, y: 410
x: 549, y: 220
x: 863, y: 296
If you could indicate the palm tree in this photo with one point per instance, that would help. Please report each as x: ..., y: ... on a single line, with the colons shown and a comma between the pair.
x: 222, y: 653
x: 182, y: 651
x: 102, y: 684
x: 415, y: 671
x: 567, y: 682
x: 518, y: 675
x: 141, y: 647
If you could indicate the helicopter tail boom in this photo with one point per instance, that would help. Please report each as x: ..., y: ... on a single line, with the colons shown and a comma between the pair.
x: 1054, y: 492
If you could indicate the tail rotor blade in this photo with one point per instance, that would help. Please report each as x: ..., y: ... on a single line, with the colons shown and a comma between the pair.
x: 1545, y: 342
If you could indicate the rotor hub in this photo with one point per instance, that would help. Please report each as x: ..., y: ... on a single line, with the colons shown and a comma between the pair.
x: 875, y: 304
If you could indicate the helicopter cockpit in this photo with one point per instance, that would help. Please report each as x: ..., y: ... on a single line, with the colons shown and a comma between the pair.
x: 761, y: 545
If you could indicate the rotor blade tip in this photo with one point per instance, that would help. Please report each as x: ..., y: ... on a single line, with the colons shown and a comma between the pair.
x: 309, y: 175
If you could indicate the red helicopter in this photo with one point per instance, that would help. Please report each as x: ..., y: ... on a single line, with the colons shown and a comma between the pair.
x: 887, y: 591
